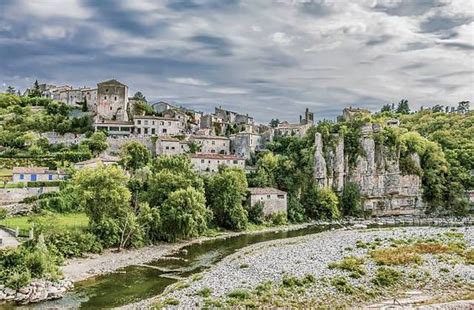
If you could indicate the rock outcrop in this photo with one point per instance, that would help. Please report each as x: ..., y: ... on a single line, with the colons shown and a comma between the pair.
x: 36, y: 291
x: 385, y: 190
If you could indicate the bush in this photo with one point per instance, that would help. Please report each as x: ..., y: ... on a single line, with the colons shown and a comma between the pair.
x: 18, y: 279
x: 278, y: 218
x: 255, y: 213
x: 350, y: 263
x: 296, y: 212
x: 43, y: 183
x: 342, y: 285
x: 386, y: 277
x: 351, y: 201
x: 321, y: 203
x: 3, y: 214
x: 205, y: 292
x: 239, y: 294
x: 73, y: 243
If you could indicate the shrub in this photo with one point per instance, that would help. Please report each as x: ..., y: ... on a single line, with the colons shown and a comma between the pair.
x: 291, y: 281
x: 18, y: 279
x: 395, y: 256
x: 386, y: 277
x: 296, y: 213
x: 73, y: 243
x: 255, y: 213
x: 350, y: 263
x: 342, y: 285
x: 278, y: 218
x: 205, y: 292
x: 321, y: 203
x: 351, y: 200
x: 239, y: 294
x: 3, y: 214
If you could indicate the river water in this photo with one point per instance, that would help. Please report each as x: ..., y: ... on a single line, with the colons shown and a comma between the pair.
x: 135, y: 283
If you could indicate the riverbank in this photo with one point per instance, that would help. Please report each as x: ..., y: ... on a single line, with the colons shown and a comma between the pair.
x: 312, y: 271
x: 79, y: 269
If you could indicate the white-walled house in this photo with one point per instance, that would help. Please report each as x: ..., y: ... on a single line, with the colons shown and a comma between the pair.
x: 33, y: 174
x: 205, y: 162
x: 159, y: 126
x: 273, y: 200
x: 170, y: 146
x: 212, y: 144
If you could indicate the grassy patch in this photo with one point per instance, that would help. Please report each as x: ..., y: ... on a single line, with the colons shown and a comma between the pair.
x: 290, y: 281
x: 469, y: 256
x: 386, y: 277
x: 240, y: 294
x: 242, y: 266
x: 395, y: 256
x: 68, y: 220
x: 197, y: 277
x: 205, y: 292
x: 352, y: 264
x: 342, y: 285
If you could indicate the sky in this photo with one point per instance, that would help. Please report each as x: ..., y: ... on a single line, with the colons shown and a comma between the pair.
x: 271, y: 59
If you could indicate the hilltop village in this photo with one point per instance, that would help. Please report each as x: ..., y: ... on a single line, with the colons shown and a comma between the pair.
x: 87, y: 170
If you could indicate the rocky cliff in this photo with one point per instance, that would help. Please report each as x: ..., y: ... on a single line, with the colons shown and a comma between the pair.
x: 385, y: 190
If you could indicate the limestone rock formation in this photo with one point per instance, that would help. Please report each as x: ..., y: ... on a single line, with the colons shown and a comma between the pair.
x: 385, y: 190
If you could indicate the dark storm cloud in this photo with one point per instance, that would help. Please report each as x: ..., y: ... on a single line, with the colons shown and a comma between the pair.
x: 271, y: 59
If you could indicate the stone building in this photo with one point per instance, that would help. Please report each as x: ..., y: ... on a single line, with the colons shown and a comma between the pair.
x: 116, y: 142
x: 90, y: 96
x: 210, y: 162
x: 273, y: 200
x: 162, y: 106
x: 245, y: 143
x: 232, y: 117
x: 287, y: 129
x: 170, y: 146
x: 115, y: 128
x: 27, y: 174
x: 112, y: 100
x: 385, y: 190
x: 212, y: 144
x: 160, y: 126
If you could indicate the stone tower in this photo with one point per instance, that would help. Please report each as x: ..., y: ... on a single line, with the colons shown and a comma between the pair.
x: 112, y: 101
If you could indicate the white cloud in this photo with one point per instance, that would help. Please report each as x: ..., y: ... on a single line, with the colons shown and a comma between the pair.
x: 228, y: 91
x: 188, y: 81
x: 281, y: 38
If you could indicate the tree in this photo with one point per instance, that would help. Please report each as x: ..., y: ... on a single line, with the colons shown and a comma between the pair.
x: 194, y: 147
x: 142, y: 108
x: 35, y: 92
x: 274, y: 123
x: 225, y: 192
x: 11, y: 90
x: 184, y: 214
x: 439, y: 108
x: 97, y: 143
x: 463, y: 107
x: 103, y: 194
x: 84, y: 105
x: 321, y: 203
x: 139, y: 96
x: 386, y: 108
x: 351, y: 201
x: 134, y: 155
x: 403, y: 107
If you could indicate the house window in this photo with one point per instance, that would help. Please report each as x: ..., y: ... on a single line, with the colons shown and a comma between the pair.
x: 202, y: 161
x: 268, y: 196
x: 213, y: 151
x: 110, y: 108
x: 139, y: 130
x: 235, y: 162
x: 169, y: 123
x: 22, y: 176
x: 50, y: 177
x: 167, y: 147
x: 139, y: 122
x: 281, y: 196
x: 172, y: 147
x: 165, y: 130
x: 115, y: 98
x: 106, y: 90
x: 105, y: 97
x: 145, y: 130
x: 153, y: 131
x: 213, y: 142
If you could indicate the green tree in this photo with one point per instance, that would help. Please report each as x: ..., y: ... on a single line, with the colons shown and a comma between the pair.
x: 463, y: 107
x: 351, y: 200
x: 184, y: 214
x: 10, y: 90
x: 97, y: 143
x: 35, y: 92
x: 321, y: 203
x: 139, y: 96
x: 386, y: 108
x: 103, y: 194
x: 403, y: 107
x: 274, y: 123
x: 225, y: 192
x: 134, y: 155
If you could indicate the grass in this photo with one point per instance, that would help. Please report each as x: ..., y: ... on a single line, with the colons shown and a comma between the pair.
x: 352, y: 264
x: 205, y: 292
x: 5, y: 172
x: 69, y: 220
x: 290, y: 281
x: 386, y: 277
x: 342, y: 285
x: 242, y: 266
x: 402, y: 255
x: 240, y: 294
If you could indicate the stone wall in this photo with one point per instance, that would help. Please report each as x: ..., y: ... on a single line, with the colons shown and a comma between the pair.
x: 15, y: 195
x: 383, y: 187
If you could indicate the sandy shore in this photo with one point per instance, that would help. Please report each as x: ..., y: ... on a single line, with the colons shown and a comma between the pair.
x: 78, y: 269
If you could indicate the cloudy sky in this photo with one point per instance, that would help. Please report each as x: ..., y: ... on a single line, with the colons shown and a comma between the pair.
x: 268, y: 58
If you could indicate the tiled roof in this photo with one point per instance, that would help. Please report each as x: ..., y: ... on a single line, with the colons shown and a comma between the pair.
x: 113, y: 81
x: 265, y: 191
x: 171, y: 139
x: 111, y: 122
x: 156, y: 118
x: 101, y: 158
x: 216, y: 156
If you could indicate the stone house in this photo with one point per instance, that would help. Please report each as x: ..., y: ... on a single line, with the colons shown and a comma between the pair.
x: 160, y: 126
x: 212, y: 144
x: 72, y: 97
x: 245, y: 143
x: 27, y: 174
x: 162, y: 106
x: 112, y: 100
x: 210, y: 162
x: 90, y: 96
x: 232, y: 117
x: 170, y: 146
x: 103, y: 159
x: 287, y: 129
x: 176, y: 114
x: 273, y: 200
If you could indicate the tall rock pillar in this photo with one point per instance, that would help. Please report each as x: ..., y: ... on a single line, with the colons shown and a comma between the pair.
x: 320, y: 170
